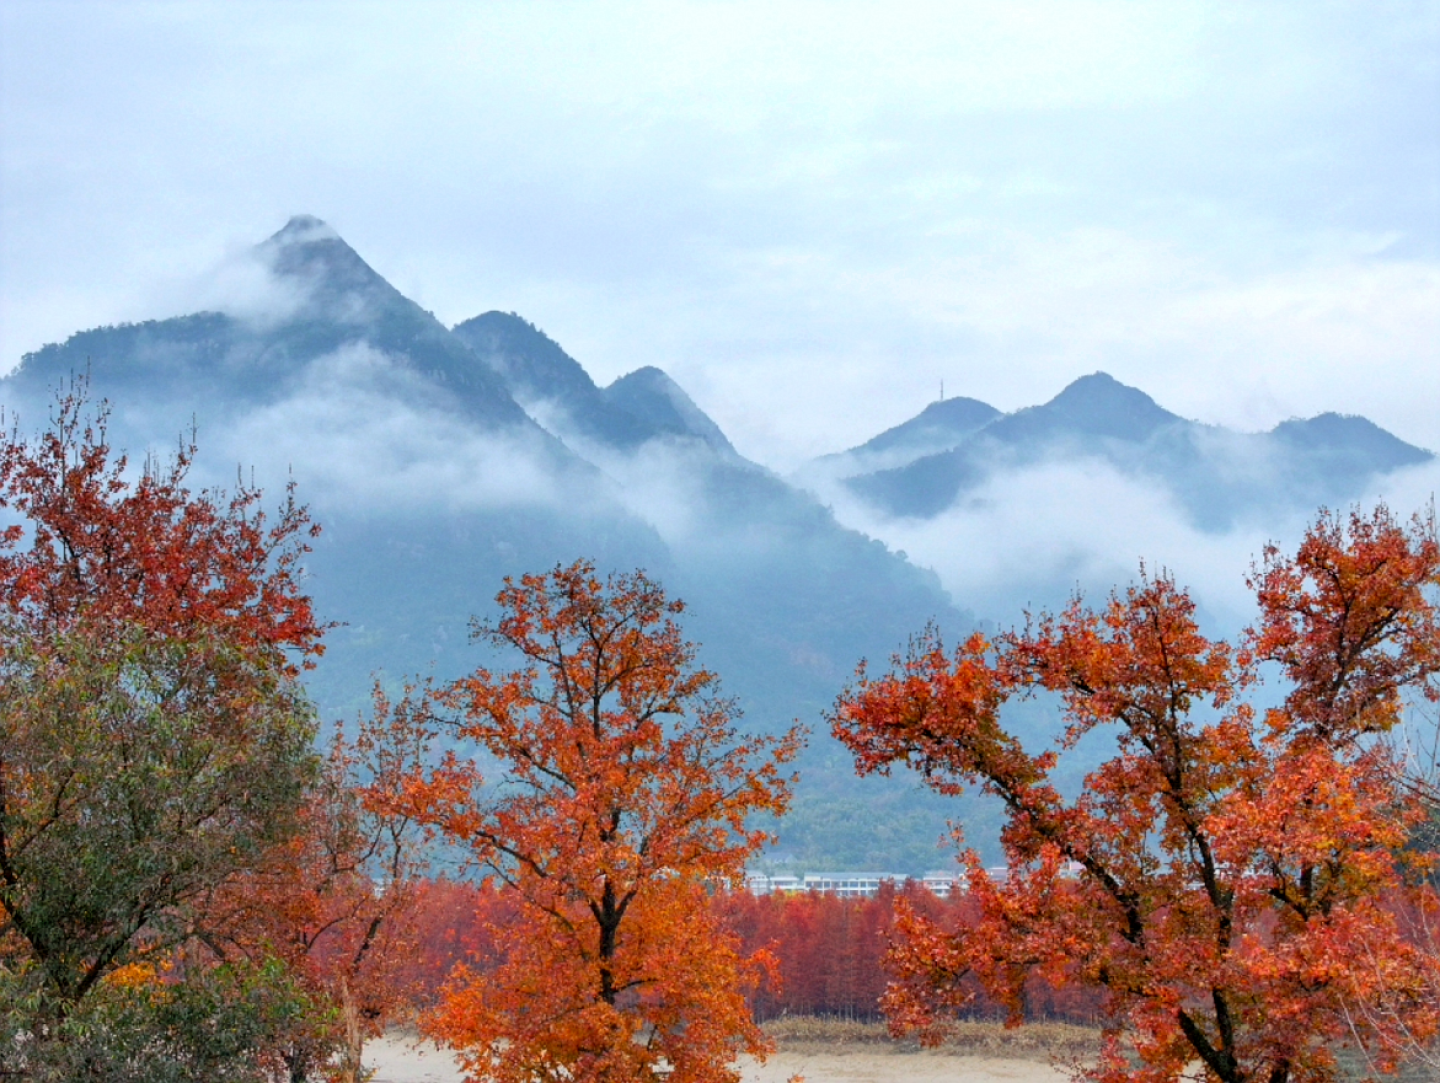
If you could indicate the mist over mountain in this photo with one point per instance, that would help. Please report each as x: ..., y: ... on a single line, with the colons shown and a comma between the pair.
x: 639, y: 407
x: 440, y: 460
x: 1218, y: 476
x: 939, y: 427
x: 321, y: 298
x: 1022, y: 509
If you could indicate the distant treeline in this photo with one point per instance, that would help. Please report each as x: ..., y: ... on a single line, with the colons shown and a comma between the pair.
x: 829, y: 952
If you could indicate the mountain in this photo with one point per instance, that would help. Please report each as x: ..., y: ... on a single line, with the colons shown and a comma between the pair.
x: 1219, y: 476
x: 660, y: 404
x: 440, y: 460
x: 750, y: 551
x: 939, y: 427
x: 335, y: 301
x: 642, y: 406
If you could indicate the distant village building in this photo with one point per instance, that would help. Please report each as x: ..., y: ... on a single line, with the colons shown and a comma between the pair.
x: 941, y: 883
x: 945, y: 883
x: 758, y: 883
x: 850, y: 885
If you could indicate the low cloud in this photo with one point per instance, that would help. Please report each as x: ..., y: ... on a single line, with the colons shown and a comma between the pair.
x: 1408, y: 492
x: 660, y: 483
x: 1031, y: 537
x: 243, y: 284
x: 362, y: 432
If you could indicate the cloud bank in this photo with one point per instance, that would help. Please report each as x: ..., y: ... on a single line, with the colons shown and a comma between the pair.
x: 363, y: 434
x: 1030, y: 538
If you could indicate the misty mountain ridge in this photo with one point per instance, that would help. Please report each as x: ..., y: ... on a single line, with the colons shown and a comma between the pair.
x: 327, y: 298
x: 440, y: 460
x: 939, y: 427
x: 641, y: 406
x: 1217, y: 475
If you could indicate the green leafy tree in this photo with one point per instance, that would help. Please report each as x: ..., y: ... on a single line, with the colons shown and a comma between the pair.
x: 154, y: 740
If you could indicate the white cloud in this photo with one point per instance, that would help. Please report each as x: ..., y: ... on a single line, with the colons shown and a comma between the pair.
x: 362, y: 433
x: 1012, y: 318
x: 243, y: 285
x: 1030, y: 537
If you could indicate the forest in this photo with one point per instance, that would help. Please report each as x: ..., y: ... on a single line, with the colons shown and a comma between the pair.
x: 201, y: 879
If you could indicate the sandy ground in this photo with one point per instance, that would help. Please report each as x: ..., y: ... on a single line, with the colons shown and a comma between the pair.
x: 400, y: 1060
x: 406, y: 1060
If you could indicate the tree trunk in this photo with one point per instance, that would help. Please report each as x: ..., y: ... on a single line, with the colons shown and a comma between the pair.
x: 354, y: 1037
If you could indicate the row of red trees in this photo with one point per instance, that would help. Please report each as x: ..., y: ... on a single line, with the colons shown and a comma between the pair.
x: 826, y: 955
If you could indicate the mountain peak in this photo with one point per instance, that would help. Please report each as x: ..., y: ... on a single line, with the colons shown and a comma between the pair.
x: 1101, y: 405
x: 1349, y: 435
x: 309, y: 248
x: 303, y: 228
x: 532, y: 364
x: 649, y: 394
x: 939, y: 426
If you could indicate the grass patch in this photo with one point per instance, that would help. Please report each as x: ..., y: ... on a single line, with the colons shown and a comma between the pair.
x: 1033, y: 1041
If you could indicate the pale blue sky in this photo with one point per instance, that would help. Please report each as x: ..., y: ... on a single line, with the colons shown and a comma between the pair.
x: 810, y: 214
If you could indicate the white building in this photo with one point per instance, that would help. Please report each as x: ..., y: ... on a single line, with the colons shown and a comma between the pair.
x: 850, y: 885
x: 758, y: 883
x: 945, y: 883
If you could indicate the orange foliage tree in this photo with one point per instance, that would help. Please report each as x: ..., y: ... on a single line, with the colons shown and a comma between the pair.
x: 1243, y: 871
x: 624, y: 801
x: 97, y: 549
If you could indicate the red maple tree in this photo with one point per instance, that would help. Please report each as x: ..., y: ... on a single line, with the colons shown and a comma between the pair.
x: 97, y: 547
x: 624, y: 802
x: 1237, y: 864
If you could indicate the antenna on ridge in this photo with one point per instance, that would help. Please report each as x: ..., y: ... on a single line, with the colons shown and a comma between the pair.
x: 942, y: 390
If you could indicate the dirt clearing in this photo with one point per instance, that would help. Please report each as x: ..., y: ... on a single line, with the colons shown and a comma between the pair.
x: 830, y: 1052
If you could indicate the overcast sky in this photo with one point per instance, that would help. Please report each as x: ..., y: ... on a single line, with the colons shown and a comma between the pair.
x: 809, y: 214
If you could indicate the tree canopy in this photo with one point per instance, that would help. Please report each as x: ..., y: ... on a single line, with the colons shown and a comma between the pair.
x: 623, y: 802
x: 1235, y: 879
x: 154, y: 740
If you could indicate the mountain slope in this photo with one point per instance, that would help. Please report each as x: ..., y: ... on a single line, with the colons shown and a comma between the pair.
x: 642, y: 406
x: 940, y: 427
x: 415, y: 446
x: 660, y: 405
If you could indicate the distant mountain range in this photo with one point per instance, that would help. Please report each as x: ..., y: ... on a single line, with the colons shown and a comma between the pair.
x: 931, y: 463
x: 642, y: 406
x: 440, y: 460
